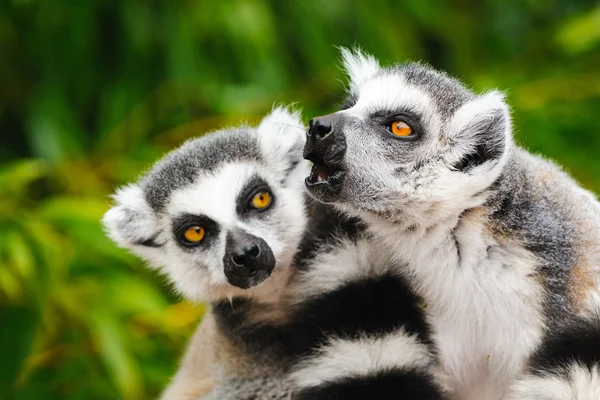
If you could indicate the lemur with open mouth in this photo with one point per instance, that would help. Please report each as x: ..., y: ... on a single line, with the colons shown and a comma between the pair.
x: 305, y: 304
x: 502, y: 245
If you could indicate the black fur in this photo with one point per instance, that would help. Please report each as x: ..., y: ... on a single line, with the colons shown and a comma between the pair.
x: 251, y: 188
x: 373, y: 306
x: 327, y: 226
x: 370, y: 306
x: 180, y: 224
x: 392, y: 384
x: 150, y: 242
x: 579, y: 342
x: 262, y: 341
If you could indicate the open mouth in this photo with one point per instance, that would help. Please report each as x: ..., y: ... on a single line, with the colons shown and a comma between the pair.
x: 324, y: 174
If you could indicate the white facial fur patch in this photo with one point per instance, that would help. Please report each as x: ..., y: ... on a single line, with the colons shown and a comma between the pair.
x: 390, y: 92
x: 341, y: 358
x: 215, y: 196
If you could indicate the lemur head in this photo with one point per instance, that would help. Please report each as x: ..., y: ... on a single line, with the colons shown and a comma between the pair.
x: 223, y: 214
x: 411, y: 143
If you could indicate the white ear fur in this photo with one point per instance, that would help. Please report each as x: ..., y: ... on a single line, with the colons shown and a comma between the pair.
x: 487, y: 106
x: 484, y: 121
x: 132, y: 224
x: 282, y: 121
x: 282, y: 135
x: 359, y: 66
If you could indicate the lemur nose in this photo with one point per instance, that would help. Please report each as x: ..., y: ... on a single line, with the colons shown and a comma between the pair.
x: 319, y: 128
x: 245, y: 254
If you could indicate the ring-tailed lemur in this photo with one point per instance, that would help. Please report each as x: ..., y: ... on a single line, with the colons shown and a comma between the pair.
x: 503, y: 246
x: 223, y: 217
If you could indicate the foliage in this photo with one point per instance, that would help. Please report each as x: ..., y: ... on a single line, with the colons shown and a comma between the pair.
x: 93, y: 91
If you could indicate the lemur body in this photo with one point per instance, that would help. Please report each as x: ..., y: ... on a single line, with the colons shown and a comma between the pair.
x: 502, y: 245
x: 299, y: 294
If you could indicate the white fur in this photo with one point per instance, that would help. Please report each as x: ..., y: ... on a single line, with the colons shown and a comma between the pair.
x: 482, y: 309
x: 470, y: 118
x: 341, y: 358
x: 359, y: 66
x: 577, y: 383
x: 131, y: 206
x: 389, y: 92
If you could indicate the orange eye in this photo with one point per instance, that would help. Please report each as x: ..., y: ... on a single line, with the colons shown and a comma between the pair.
x: 194, y: 234
x: 400, y: 128
x: 261, y: 200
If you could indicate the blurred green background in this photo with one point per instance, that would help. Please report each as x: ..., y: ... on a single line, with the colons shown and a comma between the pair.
x: 93, y: 91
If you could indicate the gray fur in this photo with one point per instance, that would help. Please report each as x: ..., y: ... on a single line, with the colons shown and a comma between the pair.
x: 541, y: 216
x: 202, y: 155
x: 259, y: 388
x: 448, y: 93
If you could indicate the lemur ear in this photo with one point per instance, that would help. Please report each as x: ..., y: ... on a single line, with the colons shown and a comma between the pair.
x: 359, y: 66
x: 480, y: 131
x: 132, y: 224
x: 282, y: 136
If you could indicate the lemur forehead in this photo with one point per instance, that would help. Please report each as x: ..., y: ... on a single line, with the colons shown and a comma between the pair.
x: 197, y: 157
x: 413, y: 84
x: 215, y: 195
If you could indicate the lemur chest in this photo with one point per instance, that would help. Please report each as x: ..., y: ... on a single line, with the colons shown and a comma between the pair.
x: 484, y: 306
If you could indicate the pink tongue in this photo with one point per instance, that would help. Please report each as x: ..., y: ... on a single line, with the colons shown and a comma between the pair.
x: 322, y: 175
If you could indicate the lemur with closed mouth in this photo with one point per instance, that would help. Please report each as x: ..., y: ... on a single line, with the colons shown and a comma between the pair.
x: 304, y: 303
x: 502, y: 245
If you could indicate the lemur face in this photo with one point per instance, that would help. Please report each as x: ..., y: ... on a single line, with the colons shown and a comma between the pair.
x: 410, y: 142
x: 222, y: 215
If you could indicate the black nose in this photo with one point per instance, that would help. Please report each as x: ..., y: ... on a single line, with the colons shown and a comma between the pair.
x: 319, y: 128
x: 245, y: 254
x: 248, y: 259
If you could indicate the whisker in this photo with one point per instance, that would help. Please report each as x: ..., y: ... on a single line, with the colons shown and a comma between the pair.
x: 293, y: 126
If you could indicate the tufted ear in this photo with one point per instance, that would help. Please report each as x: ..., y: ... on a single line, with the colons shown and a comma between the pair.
x: 480, y: 131
x: 132, y: 224
x: 282, y: 136
x: 359, y: 66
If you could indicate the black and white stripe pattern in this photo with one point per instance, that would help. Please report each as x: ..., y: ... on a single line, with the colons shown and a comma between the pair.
x: 367, y: 339
x: 566, y: 365
x: 356, y: 330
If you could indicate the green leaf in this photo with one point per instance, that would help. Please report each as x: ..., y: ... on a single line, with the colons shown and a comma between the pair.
x: 17, y: 330
x: 113, y: 349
